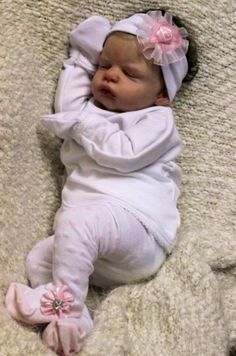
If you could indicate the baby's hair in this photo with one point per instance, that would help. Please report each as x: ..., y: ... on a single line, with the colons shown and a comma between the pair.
x: 191, y: 54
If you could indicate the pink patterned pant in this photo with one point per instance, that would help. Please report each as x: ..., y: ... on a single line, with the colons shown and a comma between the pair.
x: 102, y: 243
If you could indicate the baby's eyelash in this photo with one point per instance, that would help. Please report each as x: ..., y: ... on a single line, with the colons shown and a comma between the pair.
x: 130, y: 74
x: 125, y: 71
x: 103, y: 65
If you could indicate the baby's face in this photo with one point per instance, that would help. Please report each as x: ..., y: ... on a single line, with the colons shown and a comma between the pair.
x: 125, y: 80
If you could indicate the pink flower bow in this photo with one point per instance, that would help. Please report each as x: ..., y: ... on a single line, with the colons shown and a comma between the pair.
x: 161, y: 40
x: 58, y: 301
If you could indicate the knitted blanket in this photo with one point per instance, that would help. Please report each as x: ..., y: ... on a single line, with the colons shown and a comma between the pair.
x: 189, y: 307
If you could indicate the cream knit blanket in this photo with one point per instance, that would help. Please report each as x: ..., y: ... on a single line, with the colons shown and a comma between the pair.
x: 189, y: 307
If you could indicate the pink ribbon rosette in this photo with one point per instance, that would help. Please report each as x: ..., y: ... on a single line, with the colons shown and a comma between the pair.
x: 57, y: 301
x: 162, y: 41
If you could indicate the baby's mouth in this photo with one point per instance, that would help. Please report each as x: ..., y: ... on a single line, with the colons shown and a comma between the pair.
x: 107, y: 92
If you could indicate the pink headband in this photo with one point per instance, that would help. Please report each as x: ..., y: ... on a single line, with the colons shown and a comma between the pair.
x: 161, y: 41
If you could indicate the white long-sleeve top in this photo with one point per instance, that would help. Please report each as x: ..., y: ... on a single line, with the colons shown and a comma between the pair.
x: 125, y: 158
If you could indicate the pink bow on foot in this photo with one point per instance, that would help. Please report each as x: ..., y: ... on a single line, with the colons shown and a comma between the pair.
x: 57, y: 302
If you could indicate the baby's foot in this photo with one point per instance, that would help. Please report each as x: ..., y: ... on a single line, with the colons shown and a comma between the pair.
x: 40, y: 305
x: 66, y: 336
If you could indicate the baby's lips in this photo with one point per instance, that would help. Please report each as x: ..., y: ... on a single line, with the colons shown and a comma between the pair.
x: 107, y: 91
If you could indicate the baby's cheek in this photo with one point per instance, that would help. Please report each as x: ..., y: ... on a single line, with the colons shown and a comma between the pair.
x: 95, y: 80
x: 93, y: 87
x: 93, y: 83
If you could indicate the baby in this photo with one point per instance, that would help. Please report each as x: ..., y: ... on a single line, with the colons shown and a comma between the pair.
x: 118, y: 219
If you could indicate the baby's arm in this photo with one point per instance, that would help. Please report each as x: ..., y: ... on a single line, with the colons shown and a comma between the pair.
x: 86, y: 42
x: 153, y: 137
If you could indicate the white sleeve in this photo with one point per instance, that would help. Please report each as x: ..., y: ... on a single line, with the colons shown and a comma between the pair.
x: 73, y: 89
x: 86, y: 43
x: 153, y: 136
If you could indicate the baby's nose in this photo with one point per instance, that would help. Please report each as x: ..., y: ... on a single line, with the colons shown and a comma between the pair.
x: 112, y: 74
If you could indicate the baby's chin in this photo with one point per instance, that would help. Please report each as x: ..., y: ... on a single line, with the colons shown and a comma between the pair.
x: 107, y: 107
x: 116, y: 108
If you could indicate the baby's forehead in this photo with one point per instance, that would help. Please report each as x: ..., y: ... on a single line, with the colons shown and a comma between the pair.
x: 123, y: 35
x: 122, y: 43
x: 125, y: 46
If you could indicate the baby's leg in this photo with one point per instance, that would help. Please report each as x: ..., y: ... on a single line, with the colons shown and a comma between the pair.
x: 39, y: 263
x: 137, y: 255
x: 80, y: 237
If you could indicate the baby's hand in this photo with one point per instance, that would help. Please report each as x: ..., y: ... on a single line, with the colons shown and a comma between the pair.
x: 89, y: 36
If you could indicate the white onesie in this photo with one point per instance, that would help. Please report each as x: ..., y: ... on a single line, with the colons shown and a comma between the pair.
x: 126, y: 158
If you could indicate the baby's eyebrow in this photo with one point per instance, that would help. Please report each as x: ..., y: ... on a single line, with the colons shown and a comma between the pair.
x: 103, y: 58
x: 127, y: 65
x: 133, y: 67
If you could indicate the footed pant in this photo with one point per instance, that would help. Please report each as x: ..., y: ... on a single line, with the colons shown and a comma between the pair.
x: 101, y: 241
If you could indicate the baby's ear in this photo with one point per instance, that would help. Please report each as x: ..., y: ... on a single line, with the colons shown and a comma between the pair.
x: 162, y: 99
